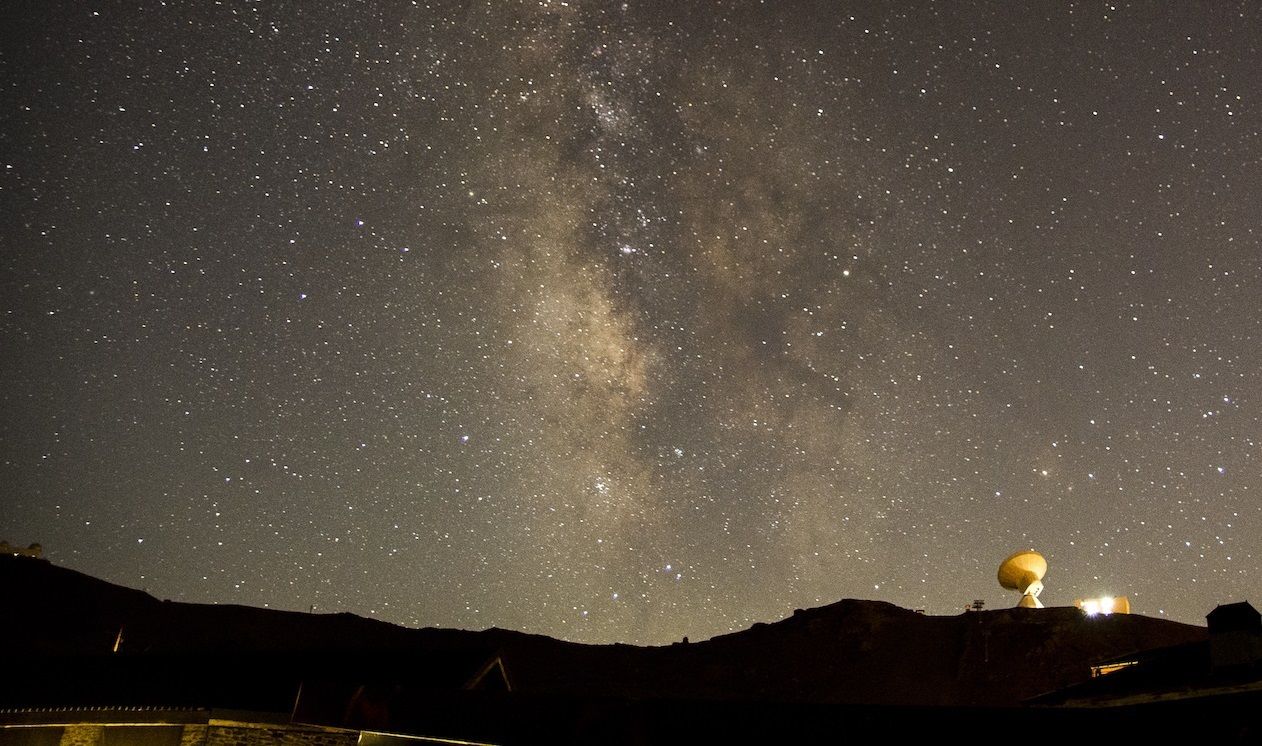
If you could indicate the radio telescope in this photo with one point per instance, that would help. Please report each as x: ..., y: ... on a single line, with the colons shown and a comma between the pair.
x: 1023, y: 572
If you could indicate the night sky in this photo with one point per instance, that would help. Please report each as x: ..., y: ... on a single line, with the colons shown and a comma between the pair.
x: 626, y: 322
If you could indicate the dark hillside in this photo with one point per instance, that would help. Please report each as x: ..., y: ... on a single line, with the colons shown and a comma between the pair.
x: 849, y: 652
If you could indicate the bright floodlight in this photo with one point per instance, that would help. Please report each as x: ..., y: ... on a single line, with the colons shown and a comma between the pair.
x: 1023, y: 572
x: 1104, y: 605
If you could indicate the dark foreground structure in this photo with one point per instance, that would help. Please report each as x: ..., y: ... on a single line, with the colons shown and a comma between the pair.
x: 90, y: 663
x: 515, y: 719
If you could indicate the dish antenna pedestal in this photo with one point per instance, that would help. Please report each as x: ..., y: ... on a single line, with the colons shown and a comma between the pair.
x: 1023, y: 572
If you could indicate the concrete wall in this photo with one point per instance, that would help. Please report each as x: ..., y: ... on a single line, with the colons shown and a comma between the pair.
x: 243, y: 735
x: 213, y: 734
x: 81, y: 735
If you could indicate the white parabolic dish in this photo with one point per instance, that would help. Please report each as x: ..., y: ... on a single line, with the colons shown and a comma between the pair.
x: 1021, y: 569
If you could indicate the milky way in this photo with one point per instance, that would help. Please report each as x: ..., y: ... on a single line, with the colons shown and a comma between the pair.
x: 626, y: 322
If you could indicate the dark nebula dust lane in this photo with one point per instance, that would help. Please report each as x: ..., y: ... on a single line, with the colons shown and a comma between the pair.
x: 631, y: 321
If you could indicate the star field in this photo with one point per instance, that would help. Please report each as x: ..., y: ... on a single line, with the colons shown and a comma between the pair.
x: 631, y: 321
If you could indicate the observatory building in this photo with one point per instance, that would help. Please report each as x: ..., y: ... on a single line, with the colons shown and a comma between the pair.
x: 1023, y: 572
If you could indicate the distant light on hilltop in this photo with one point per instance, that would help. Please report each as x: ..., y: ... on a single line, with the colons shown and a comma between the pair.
x: 1104, y: 605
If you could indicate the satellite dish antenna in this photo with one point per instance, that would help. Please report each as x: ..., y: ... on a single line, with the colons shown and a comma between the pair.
x: 1023, y: 572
